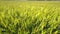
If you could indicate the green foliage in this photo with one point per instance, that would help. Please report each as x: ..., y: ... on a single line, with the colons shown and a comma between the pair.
x: 29, y: 18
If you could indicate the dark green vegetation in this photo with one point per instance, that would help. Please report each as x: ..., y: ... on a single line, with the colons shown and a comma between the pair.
x: 29, y: 18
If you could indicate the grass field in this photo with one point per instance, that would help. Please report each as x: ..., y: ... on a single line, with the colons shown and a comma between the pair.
x: 29, y: 17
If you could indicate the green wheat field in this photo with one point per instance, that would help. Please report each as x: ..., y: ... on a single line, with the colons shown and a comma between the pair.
x: 29, y: 17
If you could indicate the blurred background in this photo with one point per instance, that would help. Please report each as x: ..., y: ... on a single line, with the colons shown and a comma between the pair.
x: 29, y: 0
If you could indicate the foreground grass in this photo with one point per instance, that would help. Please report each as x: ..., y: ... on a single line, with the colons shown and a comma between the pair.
x: 29, y: 18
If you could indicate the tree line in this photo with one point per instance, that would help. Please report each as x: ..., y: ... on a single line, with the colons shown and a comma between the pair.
x: 29, y: 0
x: 43, y: 0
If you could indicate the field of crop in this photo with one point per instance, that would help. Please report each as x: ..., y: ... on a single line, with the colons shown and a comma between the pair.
x: 29, y: 18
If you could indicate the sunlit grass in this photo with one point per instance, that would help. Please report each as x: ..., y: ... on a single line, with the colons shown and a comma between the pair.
x: 29, y: 18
